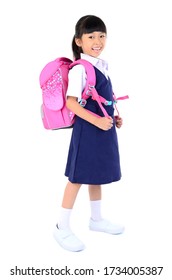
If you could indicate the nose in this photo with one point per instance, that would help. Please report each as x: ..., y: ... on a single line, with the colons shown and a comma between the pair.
x: 97, y: 40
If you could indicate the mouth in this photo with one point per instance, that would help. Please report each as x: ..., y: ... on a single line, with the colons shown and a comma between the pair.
x: 96, y: 49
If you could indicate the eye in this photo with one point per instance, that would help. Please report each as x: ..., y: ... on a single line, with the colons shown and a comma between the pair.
x: 91, y: 37
x: 102, y: 35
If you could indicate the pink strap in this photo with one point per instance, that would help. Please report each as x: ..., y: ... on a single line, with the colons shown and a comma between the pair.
x: 106, y: 102
x: 89, y: 69
x: 120, y: 98
x: 96, y: 96
x: 90, y: 86
x: 90, y: 83
x: 101, y: 99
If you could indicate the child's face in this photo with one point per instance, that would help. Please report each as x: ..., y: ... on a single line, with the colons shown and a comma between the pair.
x: 92, y: 43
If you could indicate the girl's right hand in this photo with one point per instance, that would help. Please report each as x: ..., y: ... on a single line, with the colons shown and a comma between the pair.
x: 104, y: 123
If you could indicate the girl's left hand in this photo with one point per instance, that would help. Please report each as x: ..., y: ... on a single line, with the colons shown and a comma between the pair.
x: 119, y: 121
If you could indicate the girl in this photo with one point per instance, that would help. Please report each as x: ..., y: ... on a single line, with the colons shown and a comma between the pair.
x: 93, y: 156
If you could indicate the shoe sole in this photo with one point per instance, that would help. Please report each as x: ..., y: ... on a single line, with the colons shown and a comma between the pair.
x: 61, y: 243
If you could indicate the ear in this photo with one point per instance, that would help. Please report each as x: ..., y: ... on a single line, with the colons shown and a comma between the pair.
x: 78, y: 42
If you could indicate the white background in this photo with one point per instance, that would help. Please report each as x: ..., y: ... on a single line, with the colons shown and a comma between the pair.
x: 139, y: 52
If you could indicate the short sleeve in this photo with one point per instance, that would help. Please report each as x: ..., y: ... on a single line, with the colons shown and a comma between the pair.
x: 76, y: 81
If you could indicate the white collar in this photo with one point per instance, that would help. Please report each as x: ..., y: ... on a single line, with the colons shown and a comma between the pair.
x: 97, y: 62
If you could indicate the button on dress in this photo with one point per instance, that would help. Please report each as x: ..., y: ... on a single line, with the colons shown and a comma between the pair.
x: 93, y: 156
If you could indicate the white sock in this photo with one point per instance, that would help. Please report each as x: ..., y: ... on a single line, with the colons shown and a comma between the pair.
x: 96, y: 210
x: 64, y: 218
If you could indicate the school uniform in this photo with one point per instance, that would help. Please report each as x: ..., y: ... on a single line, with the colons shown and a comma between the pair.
x: 93, y: 156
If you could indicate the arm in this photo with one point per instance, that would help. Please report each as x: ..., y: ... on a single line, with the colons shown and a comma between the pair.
x: 102, y: 122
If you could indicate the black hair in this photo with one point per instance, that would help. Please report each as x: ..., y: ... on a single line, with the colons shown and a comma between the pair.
x: 86, y: 24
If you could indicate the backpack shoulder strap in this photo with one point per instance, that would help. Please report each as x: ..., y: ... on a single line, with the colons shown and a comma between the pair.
x: 89, y: 69
x: 90, y: 83
x: 90, y: 86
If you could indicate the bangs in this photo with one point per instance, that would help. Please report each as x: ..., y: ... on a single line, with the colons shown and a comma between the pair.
x: 94, y: 24
x: 89, y: 24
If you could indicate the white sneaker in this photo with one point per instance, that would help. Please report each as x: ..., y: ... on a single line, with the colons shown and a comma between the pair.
x: 67, y: 240
x: 105, y: 226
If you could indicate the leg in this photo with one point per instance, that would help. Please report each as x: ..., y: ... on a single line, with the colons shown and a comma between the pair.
x: 68, y: 201
x: 95, y: 192
x: 62, y: 233
x: 70, y: 195
x: 95, y: 201
x: 97, y: 223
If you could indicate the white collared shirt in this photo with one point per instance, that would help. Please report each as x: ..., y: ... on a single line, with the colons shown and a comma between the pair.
x: 77, y: 75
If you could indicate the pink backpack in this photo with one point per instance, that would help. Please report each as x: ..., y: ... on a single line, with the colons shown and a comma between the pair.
x: 54, y: 82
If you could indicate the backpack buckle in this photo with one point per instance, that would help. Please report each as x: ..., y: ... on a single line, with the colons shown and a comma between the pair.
x: 88, y: 92
x: 108, y: 103
x: 83, y: 102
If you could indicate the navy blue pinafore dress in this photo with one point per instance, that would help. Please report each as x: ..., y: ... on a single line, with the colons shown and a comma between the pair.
x: 93, y: 156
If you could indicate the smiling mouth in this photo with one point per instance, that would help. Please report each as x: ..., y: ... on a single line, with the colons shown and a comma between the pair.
x: 96, y: 49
